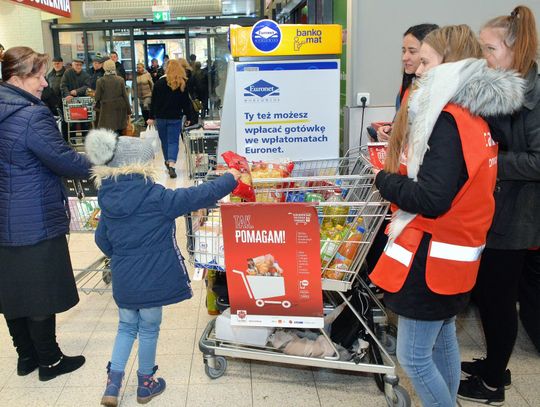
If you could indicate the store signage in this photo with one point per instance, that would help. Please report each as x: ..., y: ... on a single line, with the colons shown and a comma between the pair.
x: 161, y: 14
x: 57, y: 7
x: 273, y: 269
x: 280, y: 114
x: 267, y: 38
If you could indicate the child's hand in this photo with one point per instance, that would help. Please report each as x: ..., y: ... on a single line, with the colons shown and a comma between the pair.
x: 236, y: 174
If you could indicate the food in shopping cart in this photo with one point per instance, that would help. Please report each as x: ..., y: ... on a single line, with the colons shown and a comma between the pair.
x: 244, y: 190
x: 377, y: 154
x: 264, y: 266
x: 335, y: 214
x: 261, y: 170
x: 344, y: 256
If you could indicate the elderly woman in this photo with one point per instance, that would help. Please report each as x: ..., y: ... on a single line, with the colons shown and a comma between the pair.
x: 145, y: 85
x: 112, y: 100
x: 36, y: 278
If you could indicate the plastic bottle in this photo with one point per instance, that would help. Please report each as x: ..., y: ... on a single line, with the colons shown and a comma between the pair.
x: 349, y: 248
x: 345, y: 256
x: 336, y: 214
x: 211, y: 296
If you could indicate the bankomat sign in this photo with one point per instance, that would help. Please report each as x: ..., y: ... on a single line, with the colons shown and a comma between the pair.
x: 266, y: 35
x: 261, y: 89
x: 58, y: 7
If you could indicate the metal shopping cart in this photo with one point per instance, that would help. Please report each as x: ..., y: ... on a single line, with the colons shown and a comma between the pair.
x: 201, y: 150
x: 79, y: 115
x: 362, y: 206
x: 85, y: 212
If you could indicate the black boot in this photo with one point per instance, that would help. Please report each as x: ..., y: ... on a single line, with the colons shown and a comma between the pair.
x: 52, y: 362
x: 28, y: 361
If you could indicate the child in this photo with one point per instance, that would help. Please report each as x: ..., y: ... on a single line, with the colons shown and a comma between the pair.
x: 137, y: 231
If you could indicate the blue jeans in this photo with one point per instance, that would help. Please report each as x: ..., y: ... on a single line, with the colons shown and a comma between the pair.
x: 169, y: 134
x: 428, y: 351
x: 145, y: 322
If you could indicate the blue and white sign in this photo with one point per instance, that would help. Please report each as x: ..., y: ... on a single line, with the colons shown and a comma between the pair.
x: 266, y: 35
x: 287, y: 109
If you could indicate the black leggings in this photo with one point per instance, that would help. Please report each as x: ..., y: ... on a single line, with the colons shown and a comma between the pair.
x: 496, y: 293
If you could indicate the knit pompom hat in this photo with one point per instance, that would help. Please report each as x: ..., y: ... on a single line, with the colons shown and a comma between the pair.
x: 104, y: 147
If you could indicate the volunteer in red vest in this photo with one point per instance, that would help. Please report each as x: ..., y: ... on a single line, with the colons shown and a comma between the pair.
x: 440, y: 175
x: 511, y: 261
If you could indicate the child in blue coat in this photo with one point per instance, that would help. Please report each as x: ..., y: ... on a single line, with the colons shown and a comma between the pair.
x: 137, y: 231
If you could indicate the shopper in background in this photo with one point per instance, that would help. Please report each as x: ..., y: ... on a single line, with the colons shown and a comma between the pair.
x: 137, y: 231
x: 410, y: 57
x: 75, y: 81
x: 165, y: 61
x: 112, y: 100
x: 36, y: 278
x: 120, y: 71
x: 200, y: 86
x: 155, y: 70
x: 509, y: 43
x: 170, y: 102
x: 442, y: 194
x: 145, y: 84
x: 96, y: 71
x: 52, y: 94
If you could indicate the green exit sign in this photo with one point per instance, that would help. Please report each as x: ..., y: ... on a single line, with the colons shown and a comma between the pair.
x: 161, y: 16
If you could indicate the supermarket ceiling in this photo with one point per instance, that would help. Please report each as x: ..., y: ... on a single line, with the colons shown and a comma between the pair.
x: 100, y: 9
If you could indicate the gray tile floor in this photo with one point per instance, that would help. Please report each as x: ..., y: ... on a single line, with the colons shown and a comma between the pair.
x: 89, y: 328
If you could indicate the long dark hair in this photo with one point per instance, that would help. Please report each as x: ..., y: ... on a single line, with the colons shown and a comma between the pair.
x: 419, y: 32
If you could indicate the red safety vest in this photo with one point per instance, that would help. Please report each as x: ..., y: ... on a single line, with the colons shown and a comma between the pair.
x: 459, y: 235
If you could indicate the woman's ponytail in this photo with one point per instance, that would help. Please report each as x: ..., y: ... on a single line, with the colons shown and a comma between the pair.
x: 525, y: 44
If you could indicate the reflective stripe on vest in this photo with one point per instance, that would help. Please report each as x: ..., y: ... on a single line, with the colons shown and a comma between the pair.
x: 455, y: 252
x: 399, y: 253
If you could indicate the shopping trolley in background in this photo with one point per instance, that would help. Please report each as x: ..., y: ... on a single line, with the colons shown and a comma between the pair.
x: 79, y: 115
x: 201, y: 142
x: 85, y: 212
x: 353, y: 178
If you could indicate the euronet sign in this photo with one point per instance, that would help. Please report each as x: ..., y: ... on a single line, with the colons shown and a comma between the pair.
x: 58, y: 7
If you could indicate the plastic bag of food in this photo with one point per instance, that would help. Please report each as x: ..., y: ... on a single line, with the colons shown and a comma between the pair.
x: 244, y: 189
x: 261, y: 170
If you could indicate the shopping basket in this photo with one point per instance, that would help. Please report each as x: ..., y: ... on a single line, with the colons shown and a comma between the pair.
x: 360, y: 206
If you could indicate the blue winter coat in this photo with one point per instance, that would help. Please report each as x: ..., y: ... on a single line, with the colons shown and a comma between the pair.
x: 33, y: 157
x: 137, y: 231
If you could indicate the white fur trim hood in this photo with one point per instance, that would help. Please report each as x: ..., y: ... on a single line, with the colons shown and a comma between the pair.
x: 101, y: 172
x: 469, y: 83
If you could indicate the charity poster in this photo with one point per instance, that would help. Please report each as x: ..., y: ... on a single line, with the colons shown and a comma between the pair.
x: 287, y: 110
x: 273, y: 266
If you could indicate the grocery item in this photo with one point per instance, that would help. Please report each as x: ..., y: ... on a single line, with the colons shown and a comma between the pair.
x: 335, y: 214
x: 269, y: 192
x: 314, y: 197
x: 377, y: 154
x: 211, y: 296
x: 244, y: 188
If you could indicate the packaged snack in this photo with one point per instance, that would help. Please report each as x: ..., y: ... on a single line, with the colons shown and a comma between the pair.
x: 244, y: 188
x: 261, y: 170
x: 377, y: 154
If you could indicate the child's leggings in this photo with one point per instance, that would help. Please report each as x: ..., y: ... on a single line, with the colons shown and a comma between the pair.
x: 145, y: 322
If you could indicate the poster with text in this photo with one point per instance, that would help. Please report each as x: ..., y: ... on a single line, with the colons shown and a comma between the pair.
x: 287, y: 110
x: 272, y: 258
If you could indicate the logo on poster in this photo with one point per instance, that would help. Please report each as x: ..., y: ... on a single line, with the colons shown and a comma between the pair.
x: 261, y: 89
x: 266, y: 35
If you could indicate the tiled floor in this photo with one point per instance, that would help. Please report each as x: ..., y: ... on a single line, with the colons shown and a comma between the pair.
x: 89, y: 328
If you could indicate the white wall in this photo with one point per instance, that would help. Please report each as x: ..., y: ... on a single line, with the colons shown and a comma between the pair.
x: 20, y: 25
x: 375, y: 43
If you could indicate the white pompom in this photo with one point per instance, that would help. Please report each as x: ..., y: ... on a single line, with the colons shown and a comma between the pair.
x: 100, y: 145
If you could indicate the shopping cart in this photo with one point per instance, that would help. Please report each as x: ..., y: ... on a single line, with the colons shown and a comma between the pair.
x: 79, y: 115
x: 201, y: 150
x: 85, y: 212
x: 361, y: 206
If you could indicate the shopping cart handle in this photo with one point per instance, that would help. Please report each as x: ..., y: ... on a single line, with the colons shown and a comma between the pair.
x: 193, y: 127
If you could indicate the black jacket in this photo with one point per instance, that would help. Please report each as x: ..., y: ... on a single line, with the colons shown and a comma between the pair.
x: 74, y: 81
x: 171, y: 104
x: 516, y: 224
x: 120, y: 71
x: 442, y: 174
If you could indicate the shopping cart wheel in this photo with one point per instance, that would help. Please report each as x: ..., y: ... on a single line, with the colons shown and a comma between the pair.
x: 399, y: 397
x: 389, y: 343
x: 106, y: 277
x: 218, y: 371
